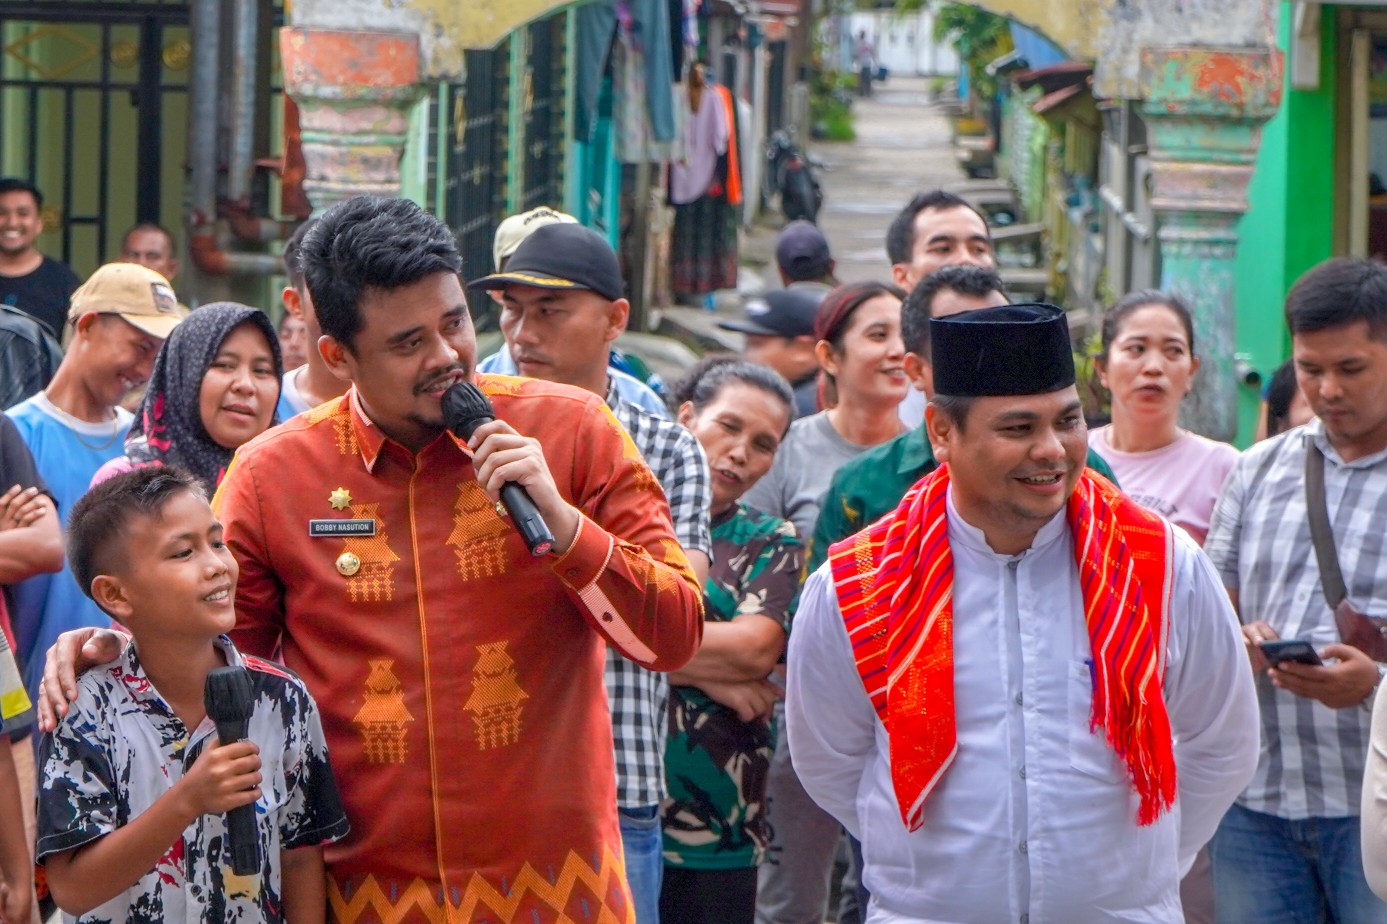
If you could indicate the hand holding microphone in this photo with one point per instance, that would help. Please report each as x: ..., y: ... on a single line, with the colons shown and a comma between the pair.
x: 511, y: 467
x: 230, y: 700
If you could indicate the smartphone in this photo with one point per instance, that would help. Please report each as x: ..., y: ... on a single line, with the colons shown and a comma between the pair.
x: 1295, y: 650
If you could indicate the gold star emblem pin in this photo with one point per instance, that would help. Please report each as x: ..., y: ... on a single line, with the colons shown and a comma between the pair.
x: 340, y: 498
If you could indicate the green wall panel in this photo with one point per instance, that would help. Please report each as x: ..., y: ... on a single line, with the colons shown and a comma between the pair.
x: 1289, y: 226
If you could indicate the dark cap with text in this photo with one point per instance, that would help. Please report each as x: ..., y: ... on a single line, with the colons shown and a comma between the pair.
x: 561, y: 256
x: 1009, y: 350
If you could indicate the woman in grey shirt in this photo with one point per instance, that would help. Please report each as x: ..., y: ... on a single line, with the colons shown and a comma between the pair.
x: 861, y: 357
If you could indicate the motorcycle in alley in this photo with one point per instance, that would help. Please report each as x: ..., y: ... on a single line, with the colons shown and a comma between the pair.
x: 790, y: 175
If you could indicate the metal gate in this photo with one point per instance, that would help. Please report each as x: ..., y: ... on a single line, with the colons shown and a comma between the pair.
x: 505, y: 153
x: 475, y: 178
x: 545, y: 79
x: 93, y: 101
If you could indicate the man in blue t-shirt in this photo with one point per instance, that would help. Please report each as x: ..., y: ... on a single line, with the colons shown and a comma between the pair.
x: 119, y: 317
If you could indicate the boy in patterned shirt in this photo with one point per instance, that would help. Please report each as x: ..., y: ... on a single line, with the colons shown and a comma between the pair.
x: 16, y: 871
x: 134, y: 789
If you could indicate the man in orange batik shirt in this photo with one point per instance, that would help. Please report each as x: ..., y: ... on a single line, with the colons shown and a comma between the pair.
x: 459, y: 677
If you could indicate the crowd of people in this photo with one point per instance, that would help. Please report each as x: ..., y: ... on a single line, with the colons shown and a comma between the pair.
x: 872, y: 599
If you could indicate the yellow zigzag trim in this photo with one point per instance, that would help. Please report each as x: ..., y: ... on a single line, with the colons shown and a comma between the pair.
x: 369, y: 902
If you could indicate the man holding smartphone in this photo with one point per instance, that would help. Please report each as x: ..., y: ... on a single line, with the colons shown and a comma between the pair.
x: 1288, y: 849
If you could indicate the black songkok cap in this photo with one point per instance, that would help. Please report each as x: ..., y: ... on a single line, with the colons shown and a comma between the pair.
x: 1009, y: 350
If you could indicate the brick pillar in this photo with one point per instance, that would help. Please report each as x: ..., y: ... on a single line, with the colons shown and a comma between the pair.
x: 354, y: 91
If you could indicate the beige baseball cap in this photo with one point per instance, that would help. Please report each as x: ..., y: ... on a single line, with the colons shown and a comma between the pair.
x: 138, y: 294
x: 516, y: 228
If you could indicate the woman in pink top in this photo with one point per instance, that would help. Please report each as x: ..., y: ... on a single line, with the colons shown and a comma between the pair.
x: 1148, y: 364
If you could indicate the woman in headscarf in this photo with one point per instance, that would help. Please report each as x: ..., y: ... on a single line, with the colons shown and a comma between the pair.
x: 214, y: 387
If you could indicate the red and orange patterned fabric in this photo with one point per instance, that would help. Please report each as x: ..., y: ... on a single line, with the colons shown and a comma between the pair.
x: 894, y: 582
x: 459, y: 677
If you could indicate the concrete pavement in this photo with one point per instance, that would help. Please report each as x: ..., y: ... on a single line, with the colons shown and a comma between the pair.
x: 902, y: 147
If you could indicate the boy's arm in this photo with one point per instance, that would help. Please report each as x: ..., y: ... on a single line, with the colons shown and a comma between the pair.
x: 87, y: 877
x: 91, y: 874
x: 16, y: 868
x: 313, y: 814
x: 303, y: 885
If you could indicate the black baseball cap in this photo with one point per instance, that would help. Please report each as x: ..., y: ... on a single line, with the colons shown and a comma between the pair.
x: 561, y: 256
x: 778, y: 313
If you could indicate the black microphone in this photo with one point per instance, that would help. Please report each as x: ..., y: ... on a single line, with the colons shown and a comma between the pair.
x: 465, y: 409
x: 230, y: 700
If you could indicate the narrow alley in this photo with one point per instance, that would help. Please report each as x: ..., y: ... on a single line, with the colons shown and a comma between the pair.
x: 902, y: 146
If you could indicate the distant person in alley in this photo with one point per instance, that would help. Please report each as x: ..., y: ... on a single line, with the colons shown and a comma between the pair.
x: 705, y: 188
x: 803, y: 258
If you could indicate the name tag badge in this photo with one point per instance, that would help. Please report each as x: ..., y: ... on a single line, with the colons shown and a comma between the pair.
x: 336, y: 529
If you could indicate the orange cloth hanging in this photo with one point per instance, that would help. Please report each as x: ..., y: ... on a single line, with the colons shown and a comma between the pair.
x: 733, y: 185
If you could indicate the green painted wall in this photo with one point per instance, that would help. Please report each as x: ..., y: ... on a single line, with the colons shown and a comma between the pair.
x: 593, y: 185
x: 1289, y: 226
x: 66, y: 58
x: 414, y: 162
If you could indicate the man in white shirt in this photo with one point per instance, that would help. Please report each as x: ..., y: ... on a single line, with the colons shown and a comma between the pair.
x: 1061, y: 750
x: 936, y: 228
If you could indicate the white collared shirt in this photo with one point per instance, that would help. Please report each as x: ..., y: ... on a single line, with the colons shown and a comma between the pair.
x: 1036, y: 819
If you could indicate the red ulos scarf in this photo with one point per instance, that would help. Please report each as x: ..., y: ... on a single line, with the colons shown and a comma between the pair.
x: 894, y: 582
